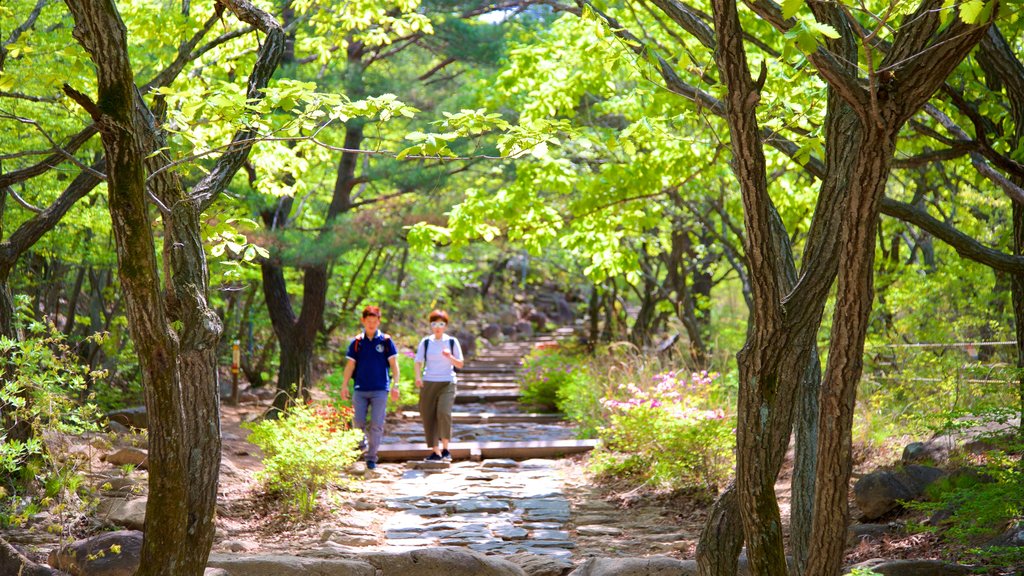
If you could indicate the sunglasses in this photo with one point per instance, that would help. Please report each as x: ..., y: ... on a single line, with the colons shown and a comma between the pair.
x: 438, y: 324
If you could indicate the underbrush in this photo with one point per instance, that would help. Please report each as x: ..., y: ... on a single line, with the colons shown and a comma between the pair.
x: 979, y: 507
x: 43, y: 401
x: 305, y: 451
x: 665, y: 429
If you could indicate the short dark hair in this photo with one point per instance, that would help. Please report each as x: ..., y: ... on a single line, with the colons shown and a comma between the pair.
x: 436, y: 315
x: 371, y: 311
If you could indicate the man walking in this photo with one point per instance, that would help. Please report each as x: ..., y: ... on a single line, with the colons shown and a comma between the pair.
x: 372, y: 364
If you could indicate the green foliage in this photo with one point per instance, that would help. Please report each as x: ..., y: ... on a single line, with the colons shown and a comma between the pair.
x: 544, y: 372
x: 660, y: 434
x: 983, y: 501
x: 305, y: 451
x: 42, y: 398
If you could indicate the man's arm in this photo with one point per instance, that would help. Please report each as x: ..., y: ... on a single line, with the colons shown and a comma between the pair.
x: 349, y: 369
x: 394, y: 376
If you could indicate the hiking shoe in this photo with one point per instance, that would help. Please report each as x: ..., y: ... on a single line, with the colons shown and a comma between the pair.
x: 446, y: 456
x: 370, y: 465
x: 362, y: 445
x: 434, y: 457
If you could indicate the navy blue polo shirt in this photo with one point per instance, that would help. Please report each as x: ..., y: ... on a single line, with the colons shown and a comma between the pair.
x: 372, y: 369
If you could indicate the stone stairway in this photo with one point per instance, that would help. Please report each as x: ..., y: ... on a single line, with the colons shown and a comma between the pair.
x: 504, y: 493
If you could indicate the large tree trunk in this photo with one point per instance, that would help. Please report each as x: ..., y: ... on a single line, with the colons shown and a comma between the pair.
x: 178, y: 367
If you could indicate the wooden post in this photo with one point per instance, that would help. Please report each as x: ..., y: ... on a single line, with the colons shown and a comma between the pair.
x: 236, y: 358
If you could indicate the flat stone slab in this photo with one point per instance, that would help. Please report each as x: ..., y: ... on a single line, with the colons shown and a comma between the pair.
x: 399, y: 452
x: 492, y: 417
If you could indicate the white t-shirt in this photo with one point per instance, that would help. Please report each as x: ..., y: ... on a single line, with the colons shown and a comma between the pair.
x: 438, y: 368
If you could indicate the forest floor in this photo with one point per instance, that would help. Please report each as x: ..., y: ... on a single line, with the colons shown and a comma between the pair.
x: 647, y: 521
x: 652, y: 522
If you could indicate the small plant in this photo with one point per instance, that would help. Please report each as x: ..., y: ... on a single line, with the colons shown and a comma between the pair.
x: 43, y: 399
x: 663, y: 434
x: 305, y: 451
x: 545, y: 371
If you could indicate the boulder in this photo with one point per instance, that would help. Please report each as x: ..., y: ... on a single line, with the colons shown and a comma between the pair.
x: 857, y: 533
x: 523, y: 329
x: 974, y: 435
x: 283, y: 565
x: 652, y: 566
x: 911, y: 568
x: 441, y: 561
x: 540, y: 565
x: 467, y: 341
x: 134, y: 456
x: 1013, y: 536
x: 134, y: 417
x: 881, y: 491
x: 491, y: 331
x: 110, y: 554
x: 121, y: 512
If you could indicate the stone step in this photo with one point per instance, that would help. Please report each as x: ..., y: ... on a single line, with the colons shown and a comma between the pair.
x: 492, y: 417
x: 486, y: 396
x: 471, y: 369
x: 480, y: 450
x: 486, y: 385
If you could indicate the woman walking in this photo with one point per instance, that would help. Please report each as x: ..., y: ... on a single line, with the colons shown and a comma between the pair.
x: 437, y: 357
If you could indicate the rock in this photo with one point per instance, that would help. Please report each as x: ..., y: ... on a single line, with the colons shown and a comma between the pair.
x: 538, y: 319
x: 540, y: 564
x: 238, y: 546
x: 596, y: 530
x: 652, y: 566
x: 467, y: 341
x: 110, y: 554
x: 974, y: 436
x: 282, y: 565
x: 134, y: 456
x: 121, y: 512
x: 441, y: 562
x: 247, y: 398
x: 858, y: 533
x: 523, y: 329
x: 912, y: 568
x: 134, y: 417
x: 880, y: 492
x: 215, y: 572
x: 1014, y: 536
x: 491, y: 332
x: 117, y: 427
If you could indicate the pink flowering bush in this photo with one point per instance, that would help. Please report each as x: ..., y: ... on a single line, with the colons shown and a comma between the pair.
x: 545, y: 371
x: 664, y: 433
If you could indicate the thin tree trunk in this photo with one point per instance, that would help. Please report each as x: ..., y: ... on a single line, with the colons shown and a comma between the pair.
x: 69, y: 321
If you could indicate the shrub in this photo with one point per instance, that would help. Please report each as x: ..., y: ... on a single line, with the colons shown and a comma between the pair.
x: 545, y: 371
x: 42, y: 399
x: 662, y: 434
x: 305, y: 451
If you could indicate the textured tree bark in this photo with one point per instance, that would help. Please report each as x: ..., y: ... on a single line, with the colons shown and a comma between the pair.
x: 178, y: 368
x: 721, y: 539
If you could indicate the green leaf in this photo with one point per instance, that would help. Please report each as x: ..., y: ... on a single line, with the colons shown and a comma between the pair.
x: 791, y: 7
x: 975, y: 11
x: 824, y: 29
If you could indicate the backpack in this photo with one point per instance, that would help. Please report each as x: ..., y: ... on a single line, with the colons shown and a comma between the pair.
x: 359, y: 339
x: 426, y: 343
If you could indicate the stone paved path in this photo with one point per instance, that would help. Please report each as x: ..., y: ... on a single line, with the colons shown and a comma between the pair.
x: 497, y: 506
